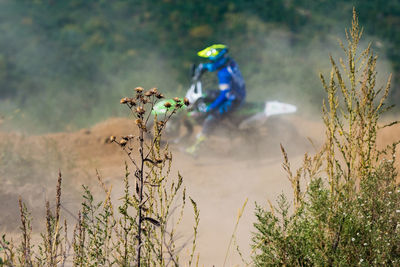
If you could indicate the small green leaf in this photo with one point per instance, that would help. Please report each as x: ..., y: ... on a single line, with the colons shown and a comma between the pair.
x: 153, y: 221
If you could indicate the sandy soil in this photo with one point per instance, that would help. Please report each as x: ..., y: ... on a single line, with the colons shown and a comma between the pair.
x: 226, y: 173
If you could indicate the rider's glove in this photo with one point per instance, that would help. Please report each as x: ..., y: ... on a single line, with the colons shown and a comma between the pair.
x: 200, y: 66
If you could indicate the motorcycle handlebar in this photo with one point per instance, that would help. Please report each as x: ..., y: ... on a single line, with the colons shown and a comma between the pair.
x: 197, y: 72
x: 192, y: 71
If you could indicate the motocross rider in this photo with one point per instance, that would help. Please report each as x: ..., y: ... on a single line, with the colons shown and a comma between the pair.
x: 232, y: 91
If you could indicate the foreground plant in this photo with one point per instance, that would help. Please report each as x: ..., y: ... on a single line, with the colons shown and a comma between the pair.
x: 143, y: 230
x: 346, y: 199
x: 53, y: 248
x: 150, y: 239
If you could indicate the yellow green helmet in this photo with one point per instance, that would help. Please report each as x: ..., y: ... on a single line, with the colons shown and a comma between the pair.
x: 213, y: 52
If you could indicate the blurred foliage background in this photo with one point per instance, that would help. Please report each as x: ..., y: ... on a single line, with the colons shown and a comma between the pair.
x: 65, y: 64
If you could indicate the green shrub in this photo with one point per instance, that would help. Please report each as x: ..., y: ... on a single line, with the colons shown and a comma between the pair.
x: 346, y: 199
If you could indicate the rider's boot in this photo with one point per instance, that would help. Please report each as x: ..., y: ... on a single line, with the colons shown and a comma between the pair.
x: 192, y: 150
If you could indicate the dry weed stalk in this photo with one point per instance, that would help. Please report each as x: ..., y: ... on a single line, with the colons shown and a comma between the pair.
x: 154, y: 194
x: 26, y: 229
x: 141, y: 232
x: 52, y: 251
x: 352, y: 122
x: 350, y: 115
x: 353, y: 220
x: 233, y: 236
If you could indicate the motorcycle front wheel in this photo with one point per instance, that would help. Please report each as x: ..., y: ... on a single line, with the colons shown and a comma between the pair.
x: 171, y: 130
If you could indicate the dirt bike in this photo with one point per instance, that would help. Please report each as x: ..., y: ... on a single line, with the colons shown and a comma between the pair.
x: 249, y: 119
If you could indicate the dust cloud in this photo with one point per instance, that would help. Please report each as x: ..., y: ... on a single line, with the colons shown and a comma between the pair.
x: 286, y: 69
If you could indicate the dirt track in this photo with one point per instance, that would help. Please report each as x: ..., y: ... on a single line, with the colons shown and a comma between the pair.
x: 225, y: 174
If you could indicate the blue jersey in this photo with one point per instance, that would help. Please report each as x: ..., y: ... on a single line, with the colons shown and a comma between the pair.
x: 231, y: 83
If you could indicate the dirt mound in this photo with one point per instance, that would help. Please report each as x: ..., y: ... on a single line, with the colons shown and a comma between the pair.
x: 30, y: 165
x: 90, y: 143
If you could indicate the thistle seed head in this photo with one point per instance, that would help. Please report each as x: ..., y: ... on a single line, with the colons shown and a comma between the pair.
x: 148, y: 93
x: 123, y: 142
x: 159, y: 96
x: 177, y: 99
x: 109, y: 139
x: 139, y: 89
x: 186, y: 101
x: 154, y: 91
x: 167, y: 105
x: 144, y: 100
x: 123, y: 100
x: 138, y: 122
x: 140, y: 110
x: 132, y: 101
x: 125, y: 137
x: 161, y: 124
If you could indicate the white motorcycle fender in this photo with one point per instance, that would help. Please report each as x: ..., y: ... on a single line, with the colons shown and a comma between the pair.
x: 277, y: 108
x: 271, y: 108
